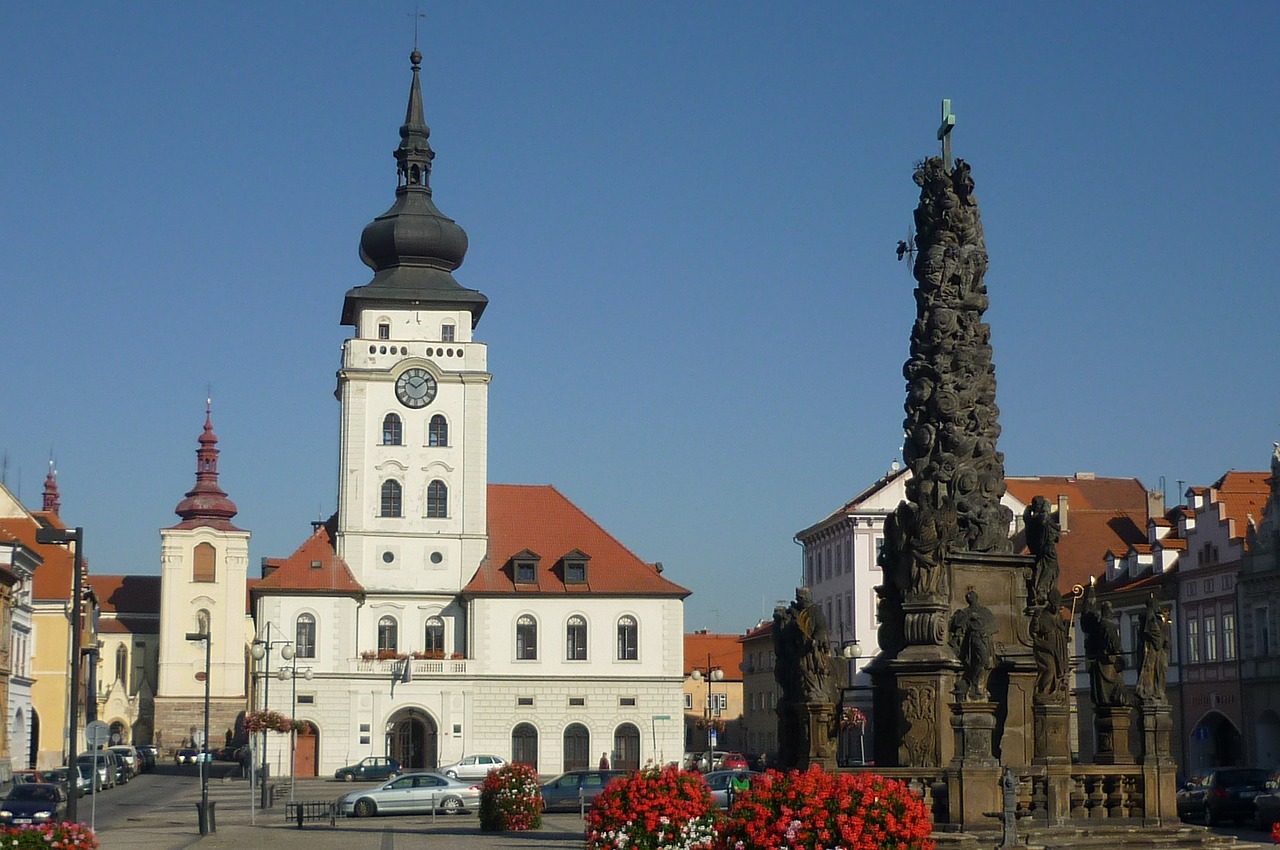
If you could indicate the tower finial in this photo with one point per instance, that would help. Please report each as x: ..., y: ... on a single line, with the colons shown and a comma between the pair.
x: 206, y: 504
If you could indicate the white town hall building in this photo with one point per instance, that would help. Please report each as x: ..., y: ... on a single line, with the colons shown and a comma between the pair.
x: 435, y: 615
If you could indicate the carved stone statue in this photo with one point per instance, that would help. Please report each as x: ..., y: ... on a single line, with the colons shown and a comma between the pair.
x: 972, y: 636
x: 1042, y: 539
x: 802, y: 644
x: 1153, y: 666
x: 1050, y: 636
x: 1104, y: 653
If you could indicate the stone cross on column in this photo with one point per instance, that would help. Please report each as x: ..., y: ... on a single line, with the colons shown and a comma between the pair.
x: 944, y: 133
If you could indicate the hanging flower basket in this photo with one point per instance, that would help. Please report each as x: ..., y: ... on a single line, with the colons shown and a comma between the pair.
x: 266, y: 721
x: 713, y: 723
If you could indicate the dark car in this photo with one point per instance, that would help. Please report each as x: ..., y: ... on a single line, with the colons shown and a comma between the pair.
x: 568, y: 791
x: 1229, y: 793
x: 34, y: 802
x: 186, y: 755
x: 373, y: 767
x: 1266, y: 806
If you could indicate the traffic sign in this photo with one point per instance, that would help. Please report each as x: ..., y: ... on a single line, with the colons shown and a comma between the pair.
x: 97, y: 734
x: 198, y: 738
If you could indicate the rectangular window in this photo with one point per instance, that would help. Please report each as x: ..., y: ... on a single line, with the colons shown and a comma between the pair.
x: 306, y: 699
x: 577, y: 702
x: 525, y: 572
x: 627, y: 701
x: 446, y: 333
x: 384, y: 331
x: 1208, y: 585
x: 526, y: 702
x: 688, y: 702
x: 1263, y: 630
x: 1210, y: 639
x: 575, y: 572
x: 1193, y: 641
x: 1229, y: 636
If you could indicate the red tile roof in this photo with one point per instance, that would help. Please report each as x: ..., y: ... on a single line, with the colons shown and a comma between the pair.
x: 725, y: 652
x: 314, y: 568
x: 127, y: 594
x: 1103, y: 515
x: 540, y: 519
x: 52, y: 579
x: 1242, y: 494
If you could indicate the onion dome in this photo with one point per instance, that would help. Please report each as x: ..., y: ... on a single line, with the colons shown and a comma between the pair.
x: 413, y: 248
x: 206, y: 504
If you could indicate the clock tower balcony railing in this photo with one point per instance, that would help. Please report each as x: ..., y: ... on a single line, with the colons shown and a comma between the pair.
x: 380, y: 355
x: 424, y: 664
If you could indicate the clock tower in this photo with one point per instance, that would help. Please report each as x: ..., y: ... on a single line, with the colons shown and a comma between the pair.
x: 414, y: 390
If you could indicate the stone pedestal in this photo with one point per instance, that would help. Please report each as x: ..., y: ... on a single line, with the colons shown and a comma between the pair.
x: 1111, y: 724
x: 1159, y: 773
x: 1053, y: 732
x: 973, y: 777
x: 805, y: 735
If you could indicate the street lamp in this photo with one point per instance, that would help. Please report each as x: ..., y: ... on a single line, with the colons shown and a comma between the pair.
x: 76, y: 536
x: 260, y: 650
x: 292, y: 673
x: 712, y: 675
x: 851, y: 652
x: 206, y: 813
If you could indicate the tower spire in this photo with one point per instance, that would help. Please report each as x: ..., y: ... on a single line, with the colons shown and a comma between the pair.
x: 206, y: 504
x: 414, y: 155
x: 52, y: 500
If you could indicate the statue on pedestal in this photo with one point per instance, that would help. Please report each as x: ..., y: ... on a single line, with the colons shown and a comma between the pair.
x: 1104, y: 652
x: 1050, y: 636
x: 972, y: 637
x: 1153, y: 666
x: 1043, y: 532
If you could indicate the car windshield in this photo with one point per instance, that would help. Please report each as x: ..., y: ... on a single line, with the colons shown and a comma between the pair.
x: 33, y: 792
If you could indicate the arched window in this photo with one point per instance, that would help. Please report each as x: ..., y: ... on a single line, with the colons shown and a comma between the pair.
x: 526, y: 638
x: 577, y: 747
x: 437, y: 500
x: 438, y: 431
x: 524, y: 745
x: 122, y: 663
x: 575, y: 639
x: 304, y: 644
x: 434, y: 643
x: 388, y: 640
x: 204, y: 563
x: 391, y: 505
x: 392, y: 430
x: 628, y: 639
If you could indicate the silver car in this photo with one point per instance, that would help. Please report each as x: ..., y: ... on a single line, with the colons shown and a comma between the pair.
x: 473, y: 767
x: 720, y: 781
x: 412, y: 794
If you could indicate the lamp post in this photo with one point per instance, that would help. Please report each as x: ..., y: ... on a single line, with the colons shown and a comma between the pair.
x: 851, y: 652
x: 712, y: 675
x: 76, y: 536
x: 292, y: 673
x: 261, y: 651
x: 206, y: 815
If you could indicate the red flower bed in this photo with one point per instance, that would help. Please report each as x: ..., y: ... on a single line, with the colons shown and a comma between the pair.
x: 66, y: 836
x: 816, y: 809
x: 652, y: 808
x: 511, y: 799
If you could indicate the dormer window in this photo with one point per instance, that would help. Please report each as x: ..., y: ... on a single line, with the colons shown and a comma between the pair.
x: 384, y: 330
x: 524, y: 567
x: 575, y: 567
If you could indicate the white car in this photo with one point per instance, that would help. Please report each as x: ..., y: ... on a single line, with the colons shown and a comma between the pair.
x: 473, y: 767
x: 412, y: 794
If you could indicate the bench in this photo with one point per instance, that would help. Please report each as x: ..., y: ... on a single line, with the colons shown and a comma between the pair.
x: 305, y: 810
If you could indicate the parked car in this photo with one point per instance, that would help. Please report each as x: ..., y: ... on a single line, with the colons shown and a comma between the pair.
x: 473, y: 767
x: 24, y: 777
x: 1266, y: 806
x: 58, y: 776
x: 1229, y: 793
x: 569, y: 790
x: 734, y: 761
x: 186, y: 755
x: 128, y: 755
x: 86, y: 780
x: 373, y: 767
x: 106, y: 769
x: 412, y: 793
x: 149, y: 755
x: 34, y: 802
x: 717, y: 757
x: 719, y: 781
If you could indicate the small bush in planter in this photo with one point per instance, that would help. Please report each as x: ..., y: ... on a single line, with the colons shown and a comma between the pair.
x: 511, y: 799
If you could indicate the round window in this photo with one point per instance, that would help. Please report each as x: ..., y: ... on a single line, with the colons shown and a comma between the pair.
x: 388, y: 557
x: 437, y: 557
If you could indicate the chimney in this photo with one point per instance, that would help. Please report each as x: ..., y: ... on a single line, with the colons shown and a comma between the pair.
x: 267, y: 567
x: 1155, y: 504
x: 1064, y: 518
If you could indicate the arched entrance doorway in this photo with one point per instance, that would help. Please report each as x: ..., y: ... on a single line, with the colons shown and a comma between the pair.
x: 626, y: 747
x: 1215, y: 742
x: 306, y: 748
x: 577, y: 747
x: 120, y: 733
x: 524, y: 745
x: 412, y: 739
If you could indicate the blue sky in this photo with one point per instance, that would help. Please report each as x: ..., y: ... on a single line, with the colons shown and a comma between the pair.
x: 684, y: 216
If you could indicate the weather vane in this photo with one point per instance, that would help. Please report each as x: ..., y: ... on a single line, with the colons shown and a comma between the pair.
x: 415, y: 14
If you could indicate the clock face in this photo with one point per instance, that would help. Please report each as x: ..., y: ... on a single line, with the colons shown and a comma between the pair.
x: 416, y: 388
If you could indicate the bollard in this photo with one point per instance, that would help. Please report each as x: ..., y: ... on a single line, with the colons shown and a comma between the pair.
x: 208, y: 819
